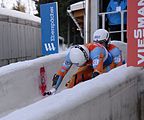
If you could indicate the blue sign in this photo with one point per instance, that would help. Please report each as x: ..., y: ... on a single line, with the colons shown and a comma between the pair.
x: 49, y: 28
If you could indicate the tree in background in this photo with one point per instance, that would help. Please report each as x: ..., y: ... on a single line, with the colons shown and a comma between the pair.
x: 19, y: 6
x: 64, y: 19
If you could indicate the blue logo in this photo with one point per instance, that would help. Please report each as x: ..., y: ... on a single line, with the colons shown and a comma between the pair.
x: 97, y: 37
x: 49, y: 28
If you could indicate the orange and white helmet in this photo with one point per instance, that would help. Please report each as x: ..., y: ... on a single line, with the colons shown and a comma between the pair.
x: 101, y: 35
x: 79, y: 54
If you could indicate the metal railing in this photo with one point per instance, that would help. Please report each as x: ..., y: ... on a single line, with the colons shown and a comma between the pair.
x: 77, y: 24
x: 122, y: 22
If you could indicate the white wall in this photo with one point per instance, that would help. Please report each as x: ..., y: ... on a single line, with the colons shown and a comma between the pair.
x: 107, y: 97
x: 19, y: 81
x: 20, y: 36
x: 117, y: 95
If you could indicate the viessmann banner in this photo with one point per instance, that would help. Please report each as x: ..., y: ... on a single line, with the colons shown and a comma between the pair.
x: 135, y: 33
x: 49, y: 28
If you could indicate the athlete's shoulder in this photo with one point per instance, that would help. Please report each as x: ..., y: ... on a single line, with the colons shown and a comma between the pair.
x: 111, y: 46
x: 114, y: 50
x: 92, y: 46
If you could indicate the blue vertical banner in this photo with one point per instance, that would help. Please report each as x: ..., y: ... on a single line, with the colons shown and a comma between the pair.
x: 49, y: 28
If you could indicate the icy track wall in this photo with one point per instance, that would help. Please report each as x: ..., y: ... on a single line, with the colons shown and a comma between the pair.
x: 19, y: 81
x: 117, y: 95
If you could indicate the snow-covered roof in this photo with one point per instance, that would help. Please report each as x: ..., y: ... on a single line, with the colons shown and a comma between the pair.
x: 77, y: 6
x: 17, y: 14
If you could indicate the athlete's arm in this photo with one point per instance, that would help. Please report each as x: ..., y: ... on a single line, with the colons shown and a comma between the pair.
x: 58, y: 77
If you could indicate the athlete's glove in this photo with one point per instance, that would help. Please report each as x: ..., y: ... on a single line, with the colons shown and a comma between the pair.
x: 94, y: 74
x: 55, y: 79
x: 50, y: 92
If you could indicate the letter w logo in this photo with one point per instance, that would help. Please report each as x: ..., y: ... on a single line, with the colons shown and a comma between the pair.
x: 49, y: 47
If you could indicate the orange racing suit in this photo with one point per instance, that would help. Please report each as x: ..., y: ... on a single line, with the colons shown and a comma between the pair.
x: 99, y: 58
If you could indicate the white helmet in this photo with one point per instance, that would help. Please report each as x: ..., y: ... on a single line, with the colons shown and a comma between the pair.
x: 79, y: 54
x: 101, y: 35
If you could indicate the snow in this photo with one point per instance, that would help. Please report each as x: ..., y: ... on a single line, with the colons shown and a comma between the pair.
x: 17, y: 14
x: 77, y: 6
x: 25, y: 64
x: 29, y: 4
x: 19, y: 91
x: 69, y: 99
x: 19, y: 81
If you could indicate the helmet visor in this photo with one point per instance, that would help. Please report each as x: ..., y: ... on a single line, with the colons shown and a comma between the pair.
x: 101, y: 41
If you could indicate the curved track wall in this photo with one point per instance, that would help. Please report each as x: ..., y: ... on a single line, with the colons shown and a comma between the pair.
x: 116, y: 95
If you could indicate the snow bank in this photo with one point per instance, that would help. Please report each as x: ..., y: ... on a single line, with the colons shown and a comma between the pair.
x: 113, y: 94
x: 19, y: 81
x: 17, y: 14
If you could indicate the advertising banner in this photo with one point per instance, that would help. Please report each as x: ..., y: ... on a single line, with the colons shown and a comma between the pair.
x: 49, y: 28
x: 135, y: 31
